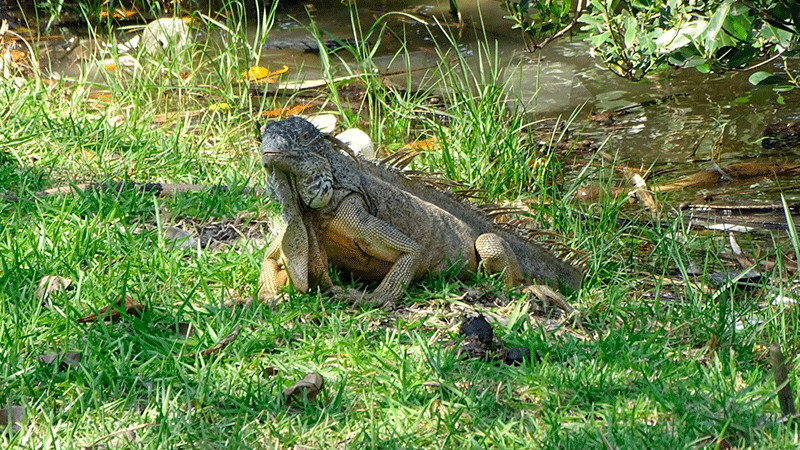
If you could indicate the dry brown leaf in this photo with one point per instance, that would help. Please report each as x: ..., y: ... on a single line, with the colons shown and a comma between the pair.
x: 14, y: 416
x: 643, y: 195
x: 422, y: 144
x: 220, y: 345
x: 118, y: 14
x: 307, y: 388
x: 63, y: 359
x: 119, y: 438
x: 50, y: 284
x: 286, y: 112
x: 113, y: 313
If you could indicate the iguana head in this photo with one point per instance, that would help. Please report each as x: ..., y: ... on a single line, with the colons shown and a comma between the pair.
x: 296, y: 148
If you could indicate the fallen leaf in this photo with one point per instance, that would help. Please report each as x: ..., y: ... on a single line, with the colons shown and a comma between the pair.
x: 423, y: 144
x: 286, y: 112
x: 14, y: 416
x: 120, y: 438
x: 307, y: 388
x: 118, y: 14
x: 114, y: 312
x: 50, y: 284
x: 270, y: 371
x: 63, y: 359
x: 184, y: 329
x: 260, y: 74
x: 17, y: 56
x: 99, y: 97
x: 181, y: 238
x: 220, y: 345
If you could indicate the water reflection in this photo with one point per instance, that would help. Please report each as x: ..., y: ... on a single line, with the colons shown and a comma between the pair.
x: 703, y: 118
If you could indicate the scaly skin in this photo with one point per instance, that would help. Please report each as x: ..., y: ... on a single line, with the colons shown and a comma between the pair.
x: 375, y: 222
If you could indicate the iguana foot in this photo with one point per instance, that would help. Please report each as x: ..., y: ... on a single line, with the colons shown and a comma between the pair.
x: 356, y: 297
x: 271, y: 299
x: 546, y: 295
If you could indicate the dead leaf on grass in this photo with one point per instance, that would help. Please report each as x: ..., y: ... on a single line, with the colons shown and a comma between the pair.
x: 113, y: 312
x: 260, y: 74
x: 62, y: 359
x: 14, y: 416
x: 287, y: 112
x: 120, y: 438
x: 220, y: 345
x: 307, y: 388
x: 184, y: 329
x: 50, y: 284
x: 118, y: 14
x: 181, y: 238
x: 422, y: 144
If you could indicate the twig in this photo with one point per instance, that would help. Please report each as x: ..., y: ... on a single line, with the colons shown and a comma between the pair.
x: 643, y: 195
x: 578, y: 10
x: 117, y: 433
x: 222, y: 344
x: 785, y: 396
x: 743, y: 260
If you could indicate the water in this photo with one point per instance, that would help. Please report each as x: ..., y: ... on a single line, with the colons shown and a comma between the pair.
x: 695, y: 119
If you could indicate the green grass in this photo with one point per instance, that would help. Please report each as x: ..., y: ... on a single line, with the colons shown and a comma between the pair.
x: 653, y: 365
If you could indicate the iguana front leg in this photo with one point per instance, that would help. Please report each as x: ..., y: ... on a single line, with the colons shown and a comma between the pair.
x: 273, y: 273
x: 294, y: 254
x: 381, y: 241
x: 276, y: 274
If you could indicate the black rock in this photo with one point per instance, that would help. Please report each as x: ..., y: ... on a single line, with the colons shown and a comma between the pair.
x: 516, y: 356
x: 479, y: 328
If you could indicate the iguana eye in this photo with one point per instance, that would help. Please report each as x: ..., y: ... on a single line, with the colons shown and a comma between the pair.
x: 304, y: 136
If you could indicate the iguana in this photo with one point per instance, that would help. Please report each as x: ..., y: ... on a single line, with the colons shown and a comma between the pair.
x: 378, y: 223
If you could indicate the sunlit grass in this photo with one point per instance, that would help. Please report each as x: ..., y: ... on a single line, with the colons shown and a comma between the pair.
x: 652, y: 365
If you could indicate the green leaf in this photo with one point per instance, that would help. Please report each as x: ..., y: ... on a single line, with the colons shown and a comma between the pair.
x: 696, y: 61
x: 758, y: 77
x: 715, y: 25
x: 631, y: 26
x: 762, y: 78
x: 600, y: 39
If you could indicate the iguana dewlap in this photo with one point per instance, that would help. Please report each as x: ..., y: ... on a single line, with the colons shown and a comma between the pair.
x: 372, y: 220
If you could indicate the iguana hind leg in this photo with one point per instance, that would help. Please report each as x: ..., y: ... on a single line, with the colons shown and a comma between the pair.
x: 497, y: 257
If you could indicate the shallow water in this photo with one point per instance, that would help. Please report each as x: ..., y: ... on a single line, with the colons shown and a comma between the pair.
x: 697, y: 119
